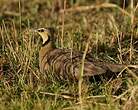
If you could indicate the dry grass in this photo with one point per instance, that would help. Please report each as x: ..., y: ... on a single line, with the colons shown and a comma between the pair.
x: 114, y: 38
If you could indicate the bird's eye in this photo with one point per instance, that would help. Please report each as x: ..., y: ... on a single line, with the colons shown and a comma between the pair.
x: 41, y: 30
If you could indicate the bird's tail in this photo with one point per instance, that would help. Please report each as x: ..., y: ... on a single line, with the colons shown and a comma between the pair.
x: 119, y: 67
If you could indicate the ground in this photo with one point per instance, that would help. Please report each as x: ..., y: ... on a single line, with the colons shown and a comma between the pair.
x: 113, y: 32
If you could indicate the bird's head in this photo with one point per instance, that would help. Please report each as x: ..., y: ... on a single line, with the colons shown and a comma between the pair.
x: 47, y: 34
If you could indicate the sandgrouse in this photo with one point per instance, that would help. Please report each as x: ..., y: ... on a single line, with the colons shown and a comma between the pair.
x: 66, y: 64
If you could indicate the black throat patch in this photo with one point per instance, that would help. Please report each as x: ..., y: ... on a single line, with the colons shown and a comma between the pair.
x: 46, y: 42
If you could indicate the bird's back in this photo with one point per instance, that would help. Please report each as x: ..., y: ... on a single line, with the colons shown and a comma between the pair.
x: 67, y: 64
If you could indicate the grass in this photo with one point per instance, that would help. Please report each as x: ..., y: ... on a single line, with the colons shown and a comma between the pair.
x: 114, y: 35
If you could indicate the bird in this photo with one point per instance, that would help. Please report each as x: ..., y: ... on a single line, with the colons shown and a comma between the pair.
x: 66, y: 64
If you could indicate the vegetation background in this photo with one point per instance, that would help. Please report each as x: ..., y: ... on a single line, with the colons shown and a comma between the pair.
x: 113, y: 27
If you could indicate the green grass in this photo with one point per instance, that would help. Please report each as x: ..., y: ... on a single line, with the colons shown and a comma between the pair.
x: 114, y: 36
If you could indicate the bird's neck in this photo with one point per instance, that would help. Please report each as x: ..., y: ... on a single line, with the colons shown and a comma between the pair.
x: 47, y: 47
x: 46, y: 42
x: 44, y: 53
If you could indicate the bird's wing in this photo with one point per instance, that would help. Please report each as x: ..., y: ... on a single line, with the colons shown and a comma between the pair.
x: 69, y: 63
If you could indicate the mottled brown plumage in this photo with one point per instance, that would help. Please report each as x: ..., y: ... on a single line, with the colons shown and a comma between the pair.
x: 66, y: 64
